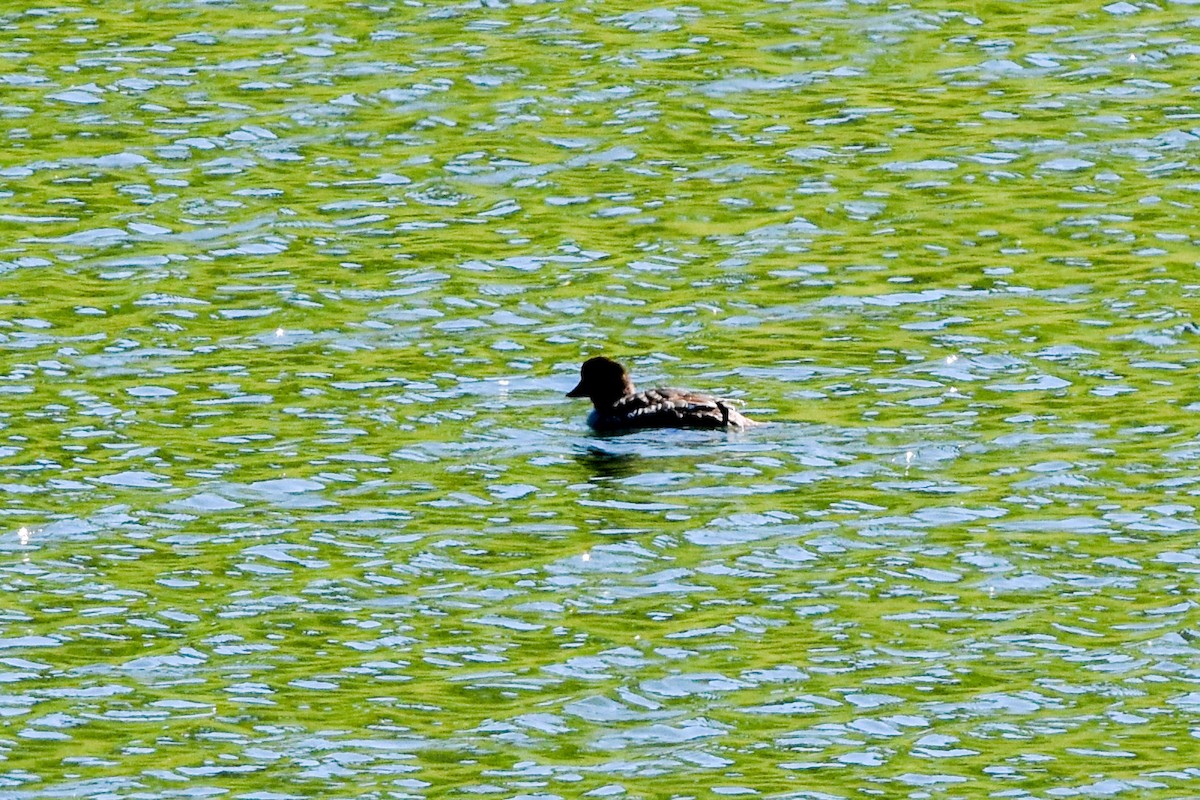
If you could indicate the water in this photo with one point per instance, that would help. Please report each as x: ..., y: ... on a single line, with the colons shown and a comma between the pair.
x: 293, y: 504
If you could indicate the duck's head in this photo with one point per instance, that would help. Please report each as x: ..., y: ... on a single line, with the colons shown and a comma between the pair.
x: 603, y: 381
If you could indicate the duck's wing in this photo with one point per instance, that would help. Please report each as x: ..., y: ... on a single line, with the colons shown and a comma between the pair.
x: 676, y: 408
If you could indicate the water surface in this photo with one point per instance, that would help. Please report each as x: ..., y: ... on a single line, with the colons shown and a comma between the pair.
x: 293, y: 504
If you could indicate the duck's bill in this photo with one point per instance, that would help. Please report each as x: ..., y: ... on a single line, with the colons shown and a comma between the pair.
x: 578, y: 391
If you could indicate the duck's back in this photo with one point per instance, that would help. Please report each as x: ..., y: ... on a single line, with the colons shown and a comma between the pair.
x: 668, y: 408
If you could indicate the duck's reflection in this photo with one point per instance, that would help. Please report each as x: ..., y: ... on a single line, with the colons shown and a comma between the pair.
x: 603, y: 464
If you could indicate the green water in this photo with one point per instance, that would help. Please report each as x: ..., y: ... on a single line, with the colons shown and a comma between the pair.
x: 293, y: 504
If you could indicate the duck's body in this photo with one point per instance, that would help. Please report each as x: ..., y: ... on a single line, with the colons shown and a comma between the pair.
x: 619, y: 406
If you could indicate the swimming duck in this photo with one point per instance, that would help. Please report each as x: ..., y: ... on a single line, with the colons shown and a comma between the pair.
x: 620, y: 406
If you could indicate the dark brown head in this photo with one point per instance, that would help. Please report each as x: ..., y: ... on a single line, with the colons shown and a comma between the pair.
x: 603, y: 381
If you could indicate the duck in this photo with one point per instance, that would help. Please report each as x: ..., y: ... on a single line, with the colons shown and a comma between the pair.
x: 618, y: 405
